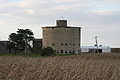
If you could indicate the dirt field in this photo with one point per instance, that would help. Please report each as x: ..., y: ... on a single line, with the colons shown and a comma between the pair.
x: 75, y: 67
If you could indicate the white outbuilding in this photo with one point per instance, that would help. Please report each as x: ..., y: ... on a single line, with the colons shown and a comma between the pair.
x: 94, y: 49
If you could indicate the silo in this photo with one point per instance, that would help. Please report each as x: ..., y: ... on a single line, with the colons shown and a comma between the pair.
x: 62, y: 38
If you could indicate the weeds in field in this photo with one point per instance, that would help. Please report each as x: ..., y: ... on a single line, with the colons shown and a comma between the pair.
x: 75, y: 67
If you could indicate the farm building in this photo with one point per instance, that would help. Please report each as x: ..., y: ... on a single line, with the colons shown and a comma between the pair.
x: 94, y: 49
x: 62, y: 38
x: 37, y: 45
x: 3, y: 46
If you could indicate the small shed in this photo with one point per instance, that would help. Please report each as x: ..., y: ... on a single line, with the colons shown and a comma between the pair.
x: 37, y: 45
x: 94, y: 49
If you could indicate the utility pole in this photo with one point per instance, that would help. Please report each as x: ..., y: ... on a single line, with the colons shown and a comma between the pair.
x: 96, y: 43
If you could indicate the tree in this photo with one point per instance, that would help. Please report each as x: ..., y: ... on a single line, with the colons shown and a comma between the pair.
x: 21, y: 40
x: 11, y: 47
x: 48, y: 51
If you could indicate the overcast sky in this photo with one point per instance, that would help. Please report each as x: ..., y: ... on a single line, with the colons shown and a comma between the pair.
x: 96, y: 17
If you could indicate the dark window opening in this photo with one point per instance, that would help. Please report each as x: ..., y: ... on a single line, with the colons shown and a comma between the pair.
x: 66, y: 44
x: 52, y: 27
x: 57, y: 51
x: 73, y: 44
x: 52, y: 44
x: 61, y: 51
x: 65, y: 51
x: 62, y: 44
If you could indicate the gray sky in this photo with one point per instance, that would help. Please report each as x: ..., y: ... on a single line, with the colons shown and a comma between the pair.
x: 96, y: 17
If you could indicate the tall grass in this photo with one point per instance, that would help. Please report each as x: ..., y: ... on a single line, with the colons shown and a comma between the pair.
x: 75, y: 67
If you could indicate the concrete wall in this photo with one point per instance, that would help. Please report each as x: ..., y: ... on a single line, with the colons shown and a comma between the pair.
x: 66, y: 39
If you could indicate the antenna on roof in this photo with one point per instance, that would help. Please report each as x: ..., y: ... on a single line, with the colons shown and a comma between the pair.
x: 96, y: 40
x: 62, y: 17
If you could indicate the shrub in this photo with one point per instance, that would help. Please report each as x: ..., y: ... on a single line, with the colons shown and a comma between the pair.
x: 48, y: 51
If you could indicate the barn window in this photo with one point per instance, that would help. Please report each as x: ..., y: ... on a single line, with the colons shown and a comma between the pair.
x: 57, y: 51
x: 65, y: 51
x: 61, y: 51
x: 66, y: 44
x: 52, y: 44
x: 62, y: 44
x: 52, y: 27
